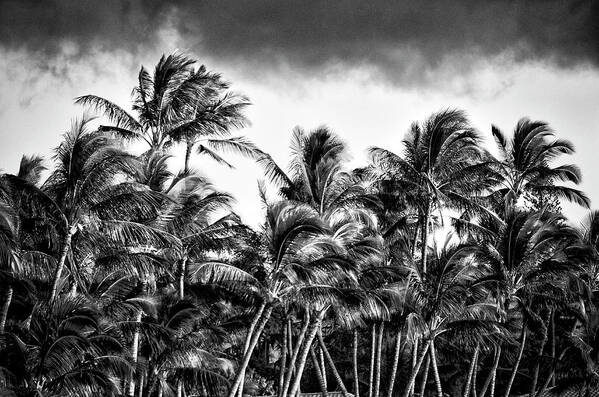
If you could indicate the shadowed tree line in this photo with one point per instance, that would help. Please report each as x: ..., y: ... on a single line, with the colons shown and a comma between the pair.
x: 445, y: 269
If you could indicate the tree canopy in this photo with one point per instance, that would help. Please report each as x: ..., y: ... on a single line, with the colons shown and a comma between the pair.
x: 438, y: 270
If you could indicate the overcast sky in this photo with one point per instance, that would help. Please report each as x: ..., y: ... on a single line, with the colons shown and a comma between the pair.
x: 366, y: 69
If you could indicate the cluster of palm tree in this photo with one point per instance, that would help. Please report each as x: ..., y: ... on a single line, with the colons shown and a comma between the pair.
x: 447, y: 269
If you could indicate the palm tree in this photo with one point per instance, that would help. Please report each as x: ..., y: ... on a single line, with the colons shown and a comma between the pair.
x: 20, y: 243
x: 201, y: 218
x: 69, y: 351
x: 397, y: 222
x: 183, y: 340
x: 290, y: 241
x: 528, y: 260
x: 83, y: 192
x: 306, y: 265
x: 589, y: 238
x: 179, y: 103
x: 316, y: 177
x: 437, y: 301
x: 525, y: 168
x: 443, y: 166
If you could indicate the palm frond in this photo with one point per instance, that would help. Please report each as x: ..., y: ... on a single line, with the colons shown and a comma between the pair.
x: 111, y: 110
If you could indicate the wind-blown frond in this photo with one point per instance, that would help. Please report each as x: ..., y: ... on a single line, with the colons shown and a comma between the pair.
x: 111, y: 110
x: 237, y: 145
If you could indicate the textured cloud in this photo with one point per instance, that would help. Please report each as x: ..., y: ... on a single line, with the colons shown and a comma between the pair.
x: 400, y: 39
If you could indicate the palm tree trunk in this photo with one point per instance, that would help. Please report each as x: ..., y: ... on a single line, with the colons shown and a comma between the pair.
x: 551, y: 376
x: 289, y: 337
x: 283, y: 358
x: 517, y: 363
x: 471, y: 371
x: 415, y: 369
x: 304, y: 355
x: 377, y: 379
x: 490, y: 381
x: 179, y: 388
x: 292, y: 363
x: 182, y: 273
x: 414, y: 359
x: 66, y: 246
x: 321, y: 383
x: 323, y: 368
x: 535, y: 377
x: 250, y: 349
x: 372, y: 359
x: 475, y: 376
x: 134, y: 351
x: 152, y: 382
x: 424, y: 239
x: 248, y: 339
x: 5, y: 306
x: 188, y: 148
x: 433, y: 354
x: 290, y: 348
x: 355, y: 365
x: 140, y: 384
x: 425, y: 370
x: 395, y: 364
x: 338, y: 379
x: 415, y: 241
x: 553, y: 343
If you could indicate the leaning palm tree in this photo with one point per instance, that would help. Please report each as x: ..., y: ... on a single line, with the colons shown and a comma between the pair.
x: 300, y: 262
x: 437, y: 301
x: 525, y: 166
x: 179, y: 103
x: 290, y: 233
x: 317, y: 177
x: 331, y: 287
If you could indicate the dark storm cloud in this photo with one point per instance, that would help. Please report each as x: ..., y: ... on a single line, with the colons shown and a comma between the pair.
x: 390, y: 35
x: 44, y: 26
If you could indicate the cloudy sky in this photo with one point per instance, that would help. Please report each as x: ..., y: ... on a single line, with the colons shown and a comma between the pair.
x: 367, y: 69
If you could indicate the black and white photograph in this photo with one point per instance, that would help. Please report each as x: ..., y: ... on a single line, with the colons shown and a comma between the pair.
x: 284, y: 198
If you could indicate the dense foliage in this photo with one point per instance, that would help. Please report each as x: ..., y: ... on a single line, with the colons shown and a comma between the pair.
x: 446, y: 269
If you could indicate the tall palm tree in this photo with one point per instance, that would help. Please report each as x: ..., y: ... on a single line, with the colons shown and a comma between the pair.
x: 179, y: 102
x: 317, y: 177
x: 302, y: 264
x: 527, y: 262
x: 290, y: 241
x: 526, y: 168
x: 438, y: 302
x: 443, y: 166
x: 84, y: 192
